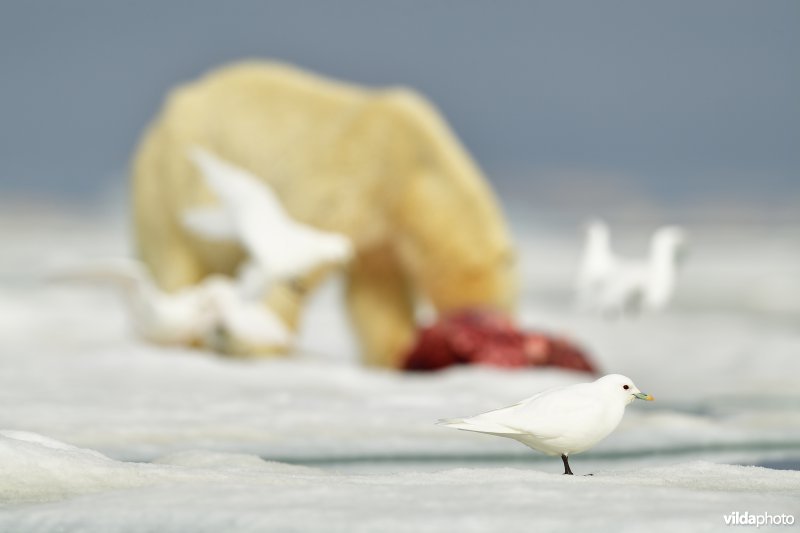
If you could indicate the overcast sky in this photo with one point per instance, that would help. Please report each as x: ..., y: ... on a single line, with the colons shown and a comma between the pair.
x: 681, y: 98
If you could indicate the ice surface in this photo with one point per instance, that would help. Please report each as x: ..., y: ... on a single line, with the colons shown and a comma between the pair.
x: 723, y: 364
x: 56, y: 487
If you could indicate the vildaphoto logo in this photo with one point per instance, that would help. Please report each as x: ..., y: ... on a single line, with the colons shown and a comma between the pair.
x: 762, y: 519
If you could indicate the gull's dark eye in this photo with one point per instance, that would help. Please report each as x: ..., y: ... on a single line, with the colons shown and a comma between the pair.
x: 625, y: 387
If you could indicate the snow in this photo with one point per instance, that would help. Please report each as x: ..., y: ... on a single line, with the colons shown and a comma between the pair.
x: 45, y: 487
x: 102, y: 432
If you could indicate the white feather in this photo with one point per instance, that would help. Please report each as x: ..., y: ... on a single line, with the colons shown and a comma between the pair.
x: 560, y: 420
x: 281, y: 247
x: 182, y: 317
x: 609, y: 283
x: 211, y: 223
x: 247, y: 320
x: 193, y: 315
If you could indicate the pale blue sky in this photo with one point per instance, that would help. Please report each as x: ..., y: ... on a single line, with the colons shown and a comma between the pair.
x: 687, y: 98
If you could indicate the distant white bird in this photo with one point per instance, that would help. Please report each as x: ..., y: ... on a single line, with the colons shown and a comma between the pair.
x: 250, y: 213
x: 609, y: 283
x: 562, y: 420
x: 597, y: 263
x: 196, y: 315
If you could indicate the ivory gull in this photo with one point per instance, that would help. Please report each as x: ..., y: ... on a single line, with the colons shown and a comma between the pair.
x: 561, y: 420
x: 612, y: 284
x: 279, y: 247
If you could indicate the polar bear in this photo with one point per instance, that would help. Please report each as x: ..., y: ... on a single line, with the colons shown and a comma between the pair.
x: 380, y: 166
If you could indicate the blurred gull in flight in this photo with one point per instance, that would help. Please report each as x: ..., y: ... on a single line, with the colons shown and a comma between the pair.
x: 220, y: 310
x: 250, y: 213
x: 612, y: 284
x: 194, y: 315
x: 561, y: 420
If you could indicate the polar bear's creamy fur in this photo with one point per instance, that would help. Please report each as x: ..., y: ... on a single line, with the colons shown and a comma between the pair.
x: 380, y: 166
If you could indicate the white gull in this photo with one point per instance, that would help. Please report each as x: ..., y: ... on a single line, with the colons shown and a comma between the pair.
x: 249, y: 212
x: 196, y: 315
x: 562, y: 420
x: 609, y: 283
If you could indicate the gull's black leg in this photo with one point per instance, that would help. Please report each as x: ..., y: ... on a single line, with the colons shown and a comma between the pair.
x: 567, y: 470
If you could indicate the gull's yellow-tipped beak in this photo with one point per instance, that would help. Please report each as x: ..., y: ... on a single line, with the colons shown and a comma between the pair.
x: 643, y: 396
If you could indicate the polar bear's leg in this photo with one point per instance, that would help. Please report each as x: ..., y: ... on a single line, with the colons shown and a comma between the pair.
x: 381, y: 307
x: 161, y: 242
x: 173, y: 265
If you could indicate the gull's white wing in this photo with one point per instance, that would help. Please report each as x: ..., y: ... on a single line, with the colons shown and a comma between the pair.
x: 236, y: 188
x: 180, y: 318
x: 249, y: 211
x: 301, y: 248
x: 246, y: 319
x: 479, y: 425
x: 210, y: 223
x: 496, y: 422
x: 251, y: 281
x: 255, y: 324
x: 254, y: 215
x: 546, y: 415
x: 558, y: 411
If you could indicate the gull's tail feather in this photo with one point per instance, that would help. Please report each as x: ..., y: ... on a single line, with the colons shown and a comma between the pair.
x: 478, y: 425
x: 449, y: 421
